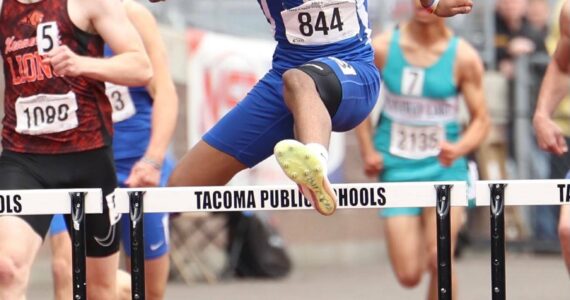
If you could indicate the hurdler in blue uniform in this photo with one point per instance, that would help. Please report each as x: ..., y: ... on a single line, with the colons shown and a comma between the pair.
x: 323, y: 79
x: 322, y: 44
x: 132, y: 118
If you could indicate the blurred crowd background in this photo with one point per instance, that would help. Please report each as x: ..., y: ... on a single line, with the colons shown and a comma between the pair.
x: 513, y: 37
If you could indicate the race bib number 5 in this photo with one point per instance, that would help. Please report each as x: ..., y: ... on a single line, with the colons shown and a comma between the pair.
x: 416, y: 142
x: 320, y: 22
x: 47, y: 37
x: 123, y: 106
x: 46, y: 113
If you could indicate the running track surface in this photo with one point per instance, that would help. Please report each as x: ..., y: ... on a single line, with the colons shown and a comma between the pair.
x: 529, y: 277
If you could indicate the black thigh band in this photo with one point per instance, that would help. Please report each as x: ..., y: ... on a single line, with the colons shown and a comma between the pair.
x: 328, y: 84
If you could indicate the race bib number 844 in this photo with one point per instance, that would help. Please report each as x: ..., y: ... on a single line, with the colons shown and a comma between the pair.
x: 320, y: 22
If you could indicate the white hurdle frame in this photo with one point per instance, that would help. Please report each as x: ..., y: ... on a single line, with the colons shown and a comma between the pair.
x: 76, y: 202
x: 500, y: 193
x: 441, y: 195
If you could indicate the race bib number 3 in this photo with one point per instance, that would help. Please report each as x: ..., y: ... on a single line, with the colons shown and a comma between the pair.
x: 46, y: 113
x: 123, y: 106
x: 416, y: 142
x: 321, y: 22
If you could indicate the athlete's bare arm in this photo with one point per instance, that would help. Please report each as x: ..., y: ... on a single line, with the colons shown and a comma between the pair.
x: 555, y: 87
x: 448, y: 8
x: 163, y: 92
x: 372, y: 159
x: 130, y: 66
x: 469, y: 69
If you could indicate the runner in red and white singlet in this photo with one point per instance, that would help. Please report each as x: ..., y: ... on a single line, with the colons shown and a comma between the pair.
x: 57, y: 124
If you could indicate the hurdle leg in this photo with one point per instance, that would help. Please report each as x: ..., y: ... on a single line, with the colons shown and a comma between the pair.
x: 497, y: 206
x: 443, y: 211
x: 78, y: 254
x: 136, y: 213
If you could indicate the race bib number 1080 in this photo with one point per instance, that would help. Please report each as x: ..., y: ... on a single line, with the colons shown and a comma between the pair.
x: 46, y: 113
x: 320, y: 22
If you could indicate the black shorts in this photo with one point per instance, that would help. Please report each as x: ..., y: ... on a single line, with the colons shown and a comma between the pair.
x: 89, y: 169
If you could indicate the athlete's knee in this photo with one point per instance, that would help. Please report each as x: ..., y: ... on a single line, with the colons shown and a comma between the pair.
x: 294, y: 81
x: 61, y: 269
x: 10, y: 272
x: 124, y: 287
x: 409, y: 277
x: 155, y: 293
x: 101, y: 289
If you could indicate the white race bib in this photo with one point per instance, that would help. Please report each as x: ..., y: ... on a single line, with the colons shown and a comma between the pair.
x: 321, y: 22
x: 412, y: 81
x: 46, y: 113
x: 47, y: 37
x: 121, y: 101
x: 420, y: 109
x: 416, y: 142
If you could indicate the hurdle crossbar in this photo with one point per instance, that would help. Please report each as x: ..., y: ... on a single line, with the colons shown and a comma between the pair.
x: 287, y: 197
x: 499, y: 194
x: 76, y: 202
x: 47, y: 202
x: 526, y: 192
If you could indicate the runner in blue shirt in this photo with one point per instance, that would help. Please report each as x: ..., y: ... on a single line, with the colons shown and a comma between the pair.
x: 323, y: 79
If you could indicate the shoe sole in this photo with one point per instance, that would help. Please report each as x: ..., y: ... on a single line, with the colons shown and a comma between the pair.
x: 304, y: 168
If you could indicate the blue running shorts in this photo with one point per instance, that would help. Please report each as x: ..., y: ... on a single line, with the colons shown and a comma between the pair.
x: 252, y: 128
x: 155, y: 224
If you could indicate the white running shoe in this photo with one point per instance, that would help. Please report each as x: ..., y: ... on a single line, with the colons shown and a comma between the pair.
x: 305, y: 168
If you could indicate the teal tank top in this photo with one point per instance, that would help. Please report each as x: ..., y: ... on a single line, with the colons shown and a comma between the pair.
x: 420, y: 109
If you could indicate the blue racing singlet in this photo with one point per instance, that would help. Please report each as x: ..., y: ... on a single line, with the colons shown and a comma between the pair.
x: 132, y: 115
x: 420, y: 110
x: 311, y: 29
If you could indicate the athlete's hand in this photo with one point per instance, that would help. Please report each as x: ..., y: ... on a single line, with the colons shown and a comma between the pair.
x: 548, y: 135
x: 448, y: 8
x: 64, y: 61
x: 448, y: 153
x: 373, y: 163
x: 143, y: 175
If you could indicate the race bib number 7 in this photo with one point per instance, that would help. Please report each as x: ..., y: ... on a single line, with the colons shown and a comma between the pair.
x: 46, y: 113
x: 416, y: 142
x: 321, y: 22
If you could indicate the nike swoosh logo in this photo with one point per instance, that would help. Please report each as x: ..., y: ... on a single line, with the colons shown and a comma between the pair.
x: 107, y: 240
x: 154, y: 247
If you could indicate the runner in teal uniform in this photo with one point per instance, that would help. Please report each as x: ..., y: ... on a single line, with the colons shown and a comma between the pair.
x: 426, y: 70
